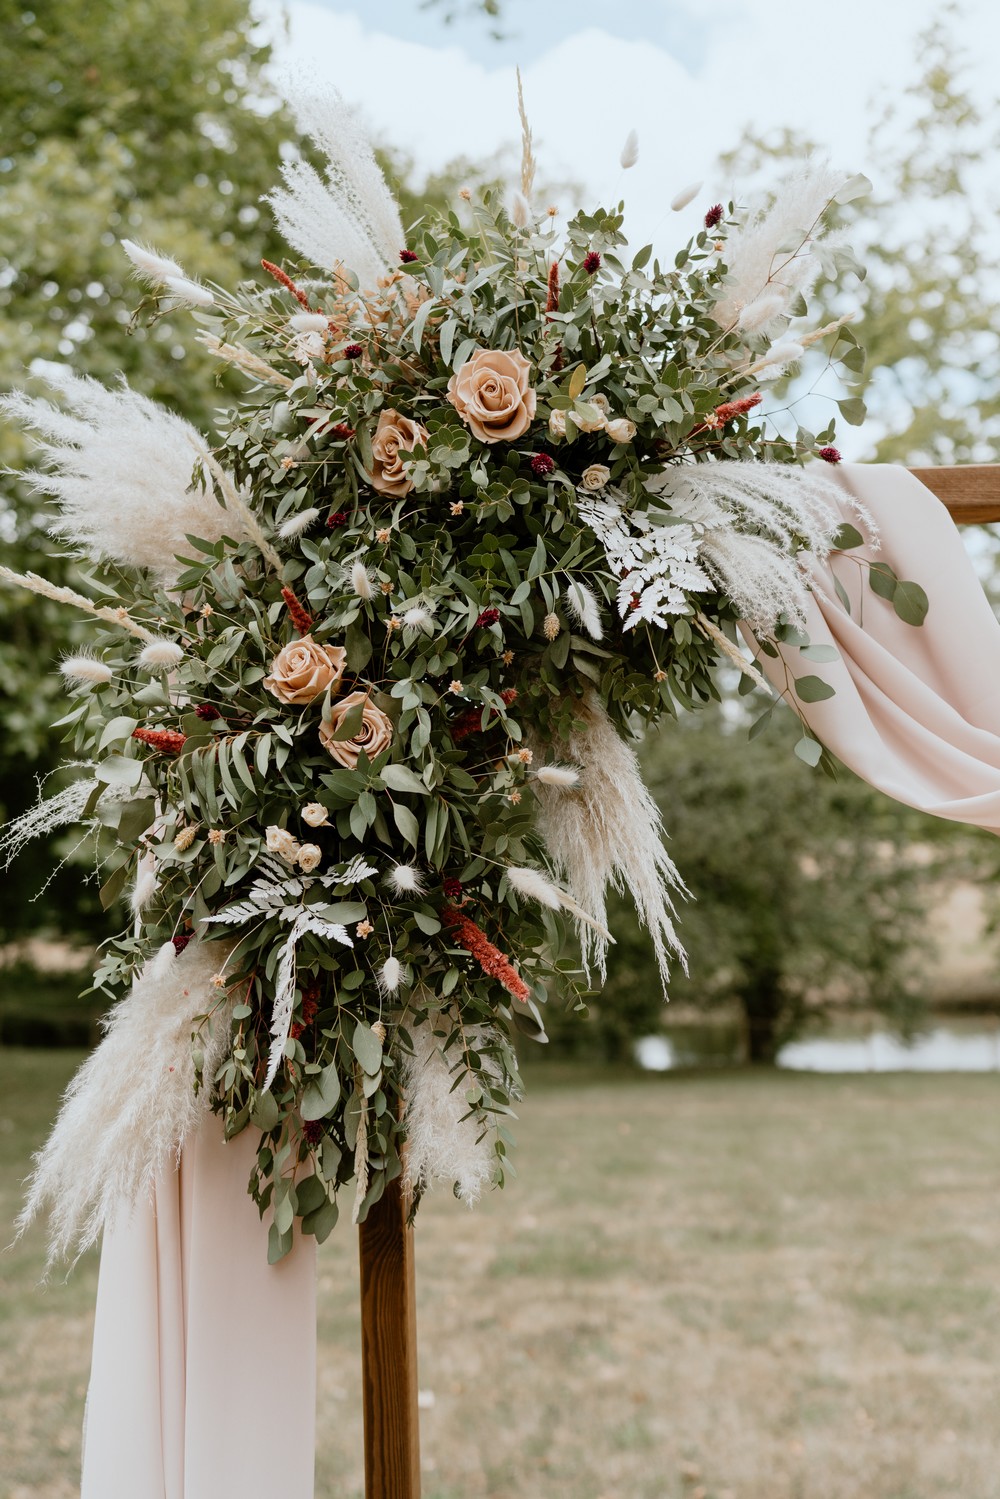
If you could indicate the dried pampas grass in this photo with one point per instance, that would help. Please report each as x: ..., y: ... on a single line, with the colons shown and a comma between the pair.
x: 607, y: 830
x: 446, y: 1139
x: 131, y: 1106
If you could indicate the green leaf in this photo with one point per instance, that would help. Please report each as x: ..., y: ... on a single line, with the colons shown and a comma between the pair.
x: 310, y: 1194
x: 113, y: 886
x: 820, y: 653
x: 406, y: 823
x: 367, y: 1047
x: 135, y: 818
x: 350, y: 724
x: 265, y: 1114
x: 117, y: 771
x: 358, y: 647
x: 857, y: 186
x: 278, y: 1244
x: 910, y: 603
x: 760, y: 724
x: 813, y: 689
x: 402, y: 778
x: 319, y: 1096
x: 847, y: 536
x: 117, y: 731
x: 853, y: 410
x: 321, y: 1222
x: 842, y: 594
x: 882, y: 579
x: 809, y: 750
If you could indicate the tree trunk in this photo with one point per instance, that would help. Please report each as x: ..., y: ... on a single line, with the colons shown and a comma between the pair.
x: 762, y: 1006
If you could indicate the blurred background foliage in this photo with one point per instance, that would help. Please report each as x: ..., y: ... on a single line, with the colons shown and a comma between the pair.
x: 158, y: 120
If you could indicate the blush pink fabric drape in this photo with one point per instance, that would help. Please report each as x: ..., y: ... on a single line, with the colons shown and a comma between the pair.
x: 203, y: 1380
x: 916, y: 710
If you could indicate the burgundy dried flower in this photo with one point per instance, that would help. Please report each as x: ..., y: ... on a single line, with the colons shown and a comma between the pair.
x: 313, y: 1130
x: 352, y: 351
x: 487, y: 618
x: 336, y: 519
x: 452, y: 888
x: 408, y: 256
x: 297, y: 613
x: 342, y: 431
x: 829, y: 455
x: 592, y: 262
x: 207, y: 712
x: 181, y: 941
x: 542, y: 465
x: 714, y: 216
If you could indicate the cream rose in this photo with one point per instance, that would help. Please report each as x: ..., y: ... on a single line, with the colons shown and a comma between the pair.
x: 557, y: 424
x: 303, y: 669
x: 283, y: 843
x: 374, y: 735
x: 621, y: 429
x: 596, y: 476
x: 315, y: 814
x: 309, y: 856
x: 392, y: 433
x: 600, y: 403
x: 492, y: 395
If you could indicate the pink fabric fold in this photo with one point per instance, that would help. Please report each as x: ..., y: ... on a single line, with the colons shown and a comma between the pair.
x: 203, y: 1379
x: 916, y: 710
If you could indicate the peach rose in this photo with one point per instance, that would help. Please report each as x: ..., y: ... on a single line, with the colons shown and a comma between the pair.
x: 492, y: 395
x: 302, y: 670
x: 392, y: 433
x: 374, y: 735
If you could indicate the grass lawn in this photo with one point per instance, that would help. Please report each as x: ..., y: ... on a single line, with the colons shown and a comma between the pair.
x: 699, y: 1287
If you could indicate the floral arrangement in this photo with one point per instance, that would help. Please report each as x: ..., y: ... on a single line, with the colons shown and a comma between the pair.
x: 354, y: 731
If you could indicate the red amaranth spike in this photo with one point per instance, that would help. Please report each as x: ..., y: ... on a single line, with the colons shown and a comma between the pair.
x: 552, y: 300
x: 287, y: 282
x: 491, y: 960
x: 739, y: 407
x: 170, y: 741
x: 300, y: 617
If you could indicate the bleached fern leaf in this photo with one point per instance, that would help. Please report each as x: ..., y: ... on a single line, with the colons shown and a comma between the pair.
x: 284, y: 982
x: 657, y: 565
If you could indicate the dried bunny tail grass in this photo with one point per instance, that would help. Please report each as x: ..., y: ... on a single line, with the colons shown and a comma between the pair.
x: 131, y: 1106
x: 46, y: 590
x: 582, y: 606
x: 536, y: 886
x: 758, y: 258
x: 607, y: 830
x: 351, y: 216
x: 246, y: 361
x: 446, y: 1140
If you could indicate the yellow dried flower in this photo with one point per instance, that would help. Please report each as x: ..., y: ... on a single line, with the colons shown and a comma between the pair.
x: 386, y: 587
x: 216, y: 835
x: 219, y: 980
x: 465, y: 193
x: 363, y: 929
x: 455, y: 686
x: 378, y: 1029
x: 383, y: 534
x: 514, y: 797
x: 185, y: 837
x: 457, y: 507
x: 206, y: 610
x: 392, y: 623
x: 659, y: 675
x: 552, y: 210
x: 507, y: 658
x: 525, y: 756
x: 551, y: 626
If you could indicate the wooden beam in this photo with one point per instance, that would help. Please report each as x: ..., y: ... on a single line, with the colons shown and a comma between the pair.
x: 389, y: 1349
x: 971, y: 491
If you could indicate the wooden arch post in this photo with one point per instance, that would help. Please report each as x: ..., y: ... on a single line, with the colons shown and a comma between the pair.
x: 971, y: 493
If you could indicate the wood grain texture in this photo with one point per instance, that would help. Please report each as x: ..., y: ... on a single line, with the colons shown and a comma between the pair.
x: 389, y: 1350
x: 971, y: 491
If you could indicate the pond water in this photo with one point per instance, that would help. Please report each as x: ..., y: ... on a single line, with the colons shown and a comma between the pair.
x: 952, y: 1045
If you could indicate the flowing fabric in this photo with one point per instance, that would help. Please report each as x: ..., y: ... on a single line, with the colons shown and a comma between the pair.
x: 916, y: 710
x: 203, y: 1380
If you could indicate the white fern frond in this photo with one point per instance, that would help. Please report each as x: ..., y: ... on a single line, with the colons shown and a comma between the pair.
x: 284, y: 982
x: 656, y: 565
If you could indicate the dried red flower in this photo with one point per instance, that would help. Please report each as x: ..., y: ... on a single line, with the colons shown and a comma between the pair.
x: 552, y: 300
x: 487, y: 618
x: 465, y: 933
x: 300, y: 616
x: 452, y: 888
x: 542, y: 465
x: 592, y: 262
x: 336, y: 519
x: 341, y: 430
x: 287, y: 282
x: 470, y: 722
x: 207, y: 712
x: 829, y: 455
x: 408, y: 256
x: 730, y: 409
x: 352, y: 351
x: 181, y: 941
x: 170, y: 741
x: 714, y: 216
x: 313, y: 1130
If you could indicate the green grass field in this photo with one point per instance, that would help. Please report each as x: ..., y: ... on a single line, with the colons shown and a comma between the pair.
x: 699, y: 1287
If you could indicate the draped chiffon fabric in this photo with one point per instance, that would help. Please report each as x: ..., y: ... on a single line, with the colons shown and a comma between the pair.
x: 203, y: 1378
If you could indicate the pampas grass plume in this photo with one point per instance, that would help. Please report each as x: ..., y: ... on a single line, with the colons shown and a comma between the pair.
x: 630, y: 150
x: 161, y: 655
x: 296, y: 524
x: 761, y: 311
x: 520, y: 210
x: 445, y: 1142
x: 361, y: 582
x: 84, y: 668
x: 685, y: 196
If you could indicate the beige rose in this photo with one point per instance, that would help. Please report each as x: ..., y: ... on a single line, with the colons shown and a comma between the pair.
x: 309, y: 856
x: 283, y: 843
x: 600, y: 403
x: 315, y: 814
x: 492, y: 395
x: 303, y: 669
x: 374, y: 735
x: 621, y: 429
x: 392, y: 433
x: 557, y: 424
x: 596, y: 476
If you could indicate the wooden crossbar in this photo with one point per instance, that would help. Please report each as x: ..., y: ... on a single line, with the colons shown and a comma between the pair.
x: 971, y: 491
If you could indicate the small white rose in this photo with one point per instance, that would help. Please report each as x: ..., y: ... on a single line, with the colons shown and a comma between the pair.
x: 315, y: 814
x: 310, y: 855
x: 283, y: 843
x: 596, y: 476
x: 621, y: 429
x: 557, y: 424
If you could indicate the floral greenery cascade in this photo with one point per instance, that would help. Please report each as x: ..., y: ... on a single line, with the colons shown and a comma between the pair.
x: 354, y: 729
